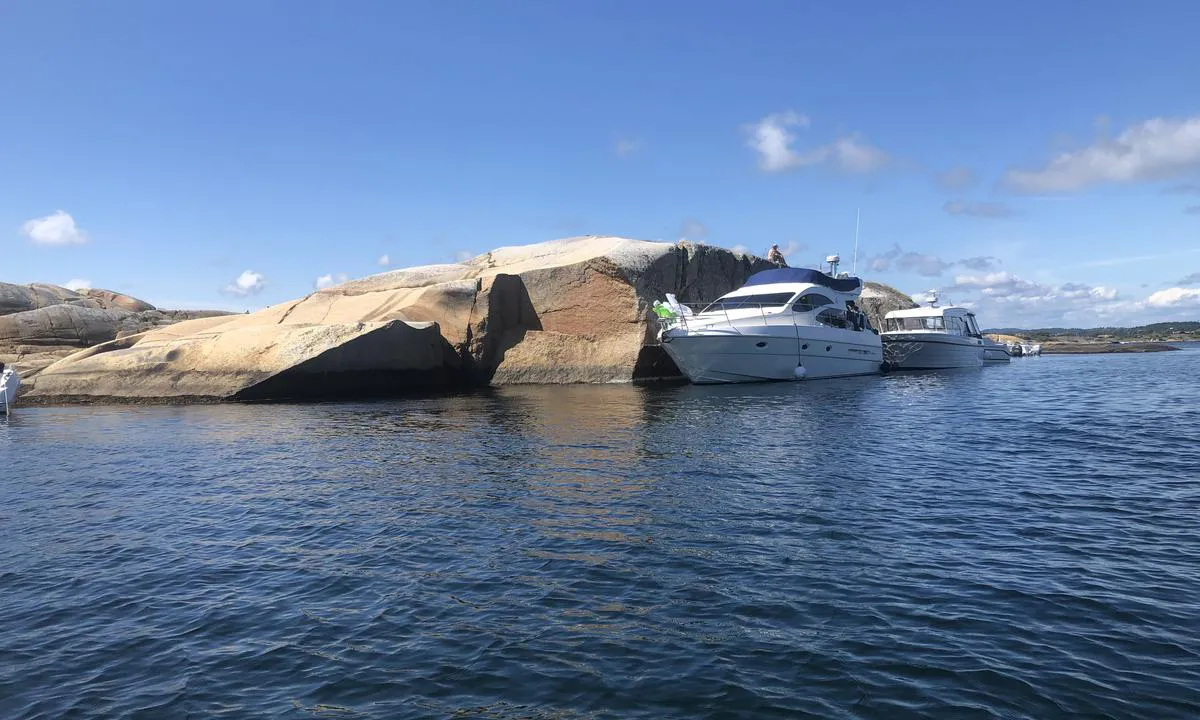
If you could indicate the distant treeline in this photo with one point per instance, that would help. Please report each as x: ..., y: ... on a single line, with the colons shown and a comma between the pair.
x: 1142, y: 332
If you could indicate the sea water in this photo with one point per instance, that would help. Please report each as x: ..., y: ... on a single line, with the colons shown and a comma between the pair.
x: 1013, y: 541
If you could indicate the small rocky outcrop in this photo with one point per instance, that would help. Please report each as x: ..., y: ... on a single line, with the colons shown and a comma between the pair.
x: 40, y: 324
x: 115, y: 301
x: 22, y: 298
x: 877, y: 300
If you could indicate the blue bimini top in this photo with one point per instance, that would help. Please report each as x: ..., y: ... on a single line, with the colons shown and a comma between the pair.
x: 804, y: 275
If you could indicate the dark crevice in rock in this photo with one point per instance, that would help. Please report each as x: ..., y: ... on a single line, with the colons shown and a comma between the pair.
x: 653, y: 363
x: 299, y: 384
x: 289, y: 310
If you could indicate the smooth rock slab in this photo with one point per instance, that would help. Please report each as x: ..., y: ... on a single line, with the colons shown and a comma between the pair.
x: 254, y: 362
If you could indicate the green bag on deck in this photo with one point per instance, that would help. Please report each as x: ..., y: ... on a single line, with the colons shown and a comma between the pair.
x: 662, y: 310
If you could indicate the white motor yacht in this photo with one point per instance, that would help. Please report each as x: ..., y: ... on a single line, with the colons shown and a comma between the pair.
x: 783, y: 324
x: 994, y: 352
x: 934, y: 338
x: 10, y: 382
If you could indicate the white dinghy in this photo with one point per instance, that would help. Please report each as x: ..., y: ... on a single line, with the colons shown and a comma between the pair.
x: 10, y: 382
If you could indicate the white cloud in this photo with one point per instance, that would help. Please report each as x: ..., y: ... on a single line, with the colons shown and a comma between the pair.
x: 463, y: 256
x: 1080, y: 290
x: 968, y: 208
x: 854, y: 154
x: 1002, y: 299
x: 1111, y: 262
x: 1189, y: 188
x: 325, y: 281
x: 384, y: 260
x: 914, y: 262
x: 56, y: 229
x: 246, y: 284
x: 77, y: 284
x: 926, y: 265
x: 981, y: 262
x: 773, y: 136
x: 1174, y: 297
x: 693, y: 230
x: 1155, y: 149
x: 957, y: 178
x: 983, y: 281
x: 792, y: 248
x: 1193, y: 279
x: 624, y: 147
x: 741, y: 249
x: 772, y: 140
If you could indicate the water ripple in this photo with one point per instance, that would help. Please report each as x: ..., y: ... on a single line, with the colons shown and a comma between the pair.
x: 1013, y: 542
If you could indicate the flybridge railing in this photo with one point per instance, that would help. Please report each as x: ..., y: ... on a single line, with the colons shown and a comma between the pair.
x: 704, y: 315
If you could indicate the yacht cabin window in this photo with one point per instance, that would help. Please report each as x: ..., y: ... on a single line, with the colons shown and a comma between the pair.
x: 915, y: 323
x: 810, y: 301
x: 973, y: 326
x: 750, y: 302
x: 832, y: 318
x: 956, y: 325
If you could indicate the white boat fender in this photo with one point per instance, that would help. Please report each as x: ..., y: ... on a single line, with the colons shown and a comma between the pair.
x: 800, y: 372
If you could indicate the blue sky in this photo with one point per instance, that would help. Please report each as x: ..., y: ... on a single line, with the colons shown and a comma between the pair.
x: 1040, y: 160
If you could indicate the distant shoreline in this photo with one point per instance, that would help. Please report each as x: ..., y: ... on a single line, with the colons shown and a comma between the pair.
x: 1104, y: 348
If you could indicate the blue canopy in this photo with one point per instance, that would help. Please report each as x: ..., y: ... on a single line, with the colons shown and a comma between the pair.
x: 804, y: 275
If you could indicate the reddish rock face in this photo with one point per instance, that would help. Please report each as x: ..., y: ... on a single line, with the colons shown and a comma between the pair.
x: 23, y: 298
x: 110, y: 300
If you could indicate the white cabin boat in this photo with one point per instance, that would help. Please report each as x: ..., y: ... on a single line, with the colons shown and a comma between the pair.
x: 10, y: 382
x: 994, y: 352
x: 934, y: 338
x: 783, y: 324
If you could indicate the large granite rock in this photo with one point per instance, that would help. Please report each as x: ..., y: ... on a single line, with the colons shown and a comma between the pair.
x: 565, y: 311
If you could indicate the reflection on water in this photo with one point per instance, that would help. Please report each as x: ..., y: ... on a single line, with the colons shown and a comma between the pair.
x: 1016, y: 541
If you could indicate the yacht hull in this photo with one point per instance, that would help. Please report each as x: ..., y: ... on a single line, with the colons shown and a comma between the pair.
x: 914, y: 352
x: 735, y: 358
x: 995, y: 353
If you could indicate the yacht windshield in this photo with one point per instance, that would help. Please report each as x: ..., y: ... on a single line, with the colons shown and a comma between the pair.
x: 766, y: 300
x: 915, y: 323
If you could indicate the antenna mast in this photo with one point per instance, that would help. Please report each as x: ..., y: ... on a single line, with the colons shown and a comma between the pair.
x: 857, y: 220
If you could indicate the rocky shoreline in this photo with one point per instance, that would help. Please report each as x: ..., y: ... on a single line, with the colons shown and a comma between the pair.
x: 41, y: 324
x: 1094, y: 348
x: 566, y: 311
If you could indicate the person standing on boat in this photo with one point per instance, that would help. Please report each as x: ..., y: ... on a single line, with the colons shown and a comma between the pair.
x: 775, y: 257
x: 855, y: 317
